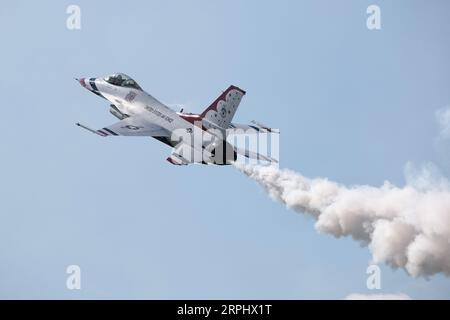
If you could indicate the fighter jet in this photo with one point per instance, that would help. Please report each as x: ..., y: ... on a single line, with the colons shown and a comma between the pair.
x: 140, y: 114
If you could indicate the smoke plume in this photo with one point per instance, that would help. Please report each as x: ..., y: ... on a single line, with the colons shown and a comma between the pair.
x: 406, y: 227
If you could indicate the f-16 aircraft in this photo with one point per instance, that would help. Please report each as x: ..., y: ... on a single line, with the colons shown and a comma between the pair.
x: 140, y: 114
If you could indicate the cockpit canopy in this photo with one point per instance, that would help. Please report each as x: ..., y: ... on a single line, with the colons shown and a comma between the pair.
x: 122, y: 80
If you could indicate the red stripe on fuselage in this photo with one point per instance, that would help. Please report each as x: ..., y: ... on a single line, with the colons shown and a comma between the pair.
x: 195, y: 119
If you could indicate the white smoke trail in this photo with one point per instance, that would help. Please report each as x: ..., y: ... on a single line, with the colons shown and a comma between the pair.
x: 405, y: 227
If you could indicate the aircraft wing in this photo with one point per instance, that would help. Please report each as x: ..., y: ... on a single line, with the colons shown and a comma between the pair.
x: 131, y: 126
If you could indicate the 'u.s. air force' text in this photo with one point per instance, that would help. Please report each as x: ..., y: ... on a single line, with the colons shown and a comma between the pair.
x: 158, y: 113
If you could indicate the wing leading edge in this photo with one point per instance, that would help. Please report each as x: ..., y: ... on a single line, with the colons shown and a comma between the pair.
x: 131, y: 126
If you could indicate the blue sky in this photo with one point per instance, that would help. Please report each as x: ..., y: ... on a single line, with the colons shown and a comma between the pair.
x: 353, y: 105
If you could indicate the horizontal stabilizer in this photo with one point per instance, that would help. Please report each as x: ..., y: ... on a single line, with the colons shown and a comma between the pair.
x: 254, y: 155
x: 264, y: 127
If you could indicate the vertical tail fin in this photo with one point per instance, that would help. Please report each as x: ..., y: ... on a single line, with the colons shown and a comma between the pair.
x: 222, y: 110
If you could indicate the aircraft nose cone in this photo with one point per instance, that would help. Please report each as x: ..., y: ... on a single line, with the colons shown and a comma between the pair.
x: 81, y: 81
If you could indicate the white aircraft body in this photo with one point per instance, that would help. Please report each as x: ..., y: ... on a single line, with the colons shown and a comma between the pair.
x: 140, y: 114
